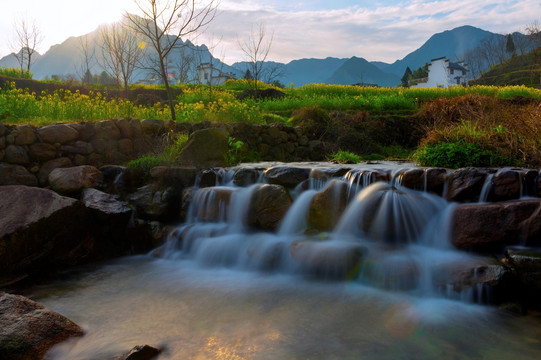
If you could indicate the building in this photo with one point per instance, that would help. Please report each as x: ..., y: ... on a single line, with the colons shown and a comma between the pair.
x: 443, y: 73
x: 208, y: 74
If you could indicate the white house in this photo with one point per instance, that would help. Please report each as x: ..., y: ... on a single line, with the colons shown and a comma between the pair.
x: 210, y: 75
x: 443, y: 73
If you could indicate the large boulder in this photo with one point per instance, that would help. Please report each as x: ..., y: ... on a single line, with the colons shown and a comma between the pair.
x: 527, y: 264
x: 487, y: 227
x: 506, y: 185
x: 211, y: 203
x: 154, y: 203
x: 59, y: 133
x: 205, y: 148
x: 16, y: 175
x: 16, y: 154
x: 29, y: 329
x: 140, y: 352
x: 74, y: 179
x: 24, y: 135
x: 328, y: 205
x: 465, y: 184
x: 175, y: 176
x: 286, y: 176
x: 45, y: 170
x: 268, y: 205
x: 40, y: 229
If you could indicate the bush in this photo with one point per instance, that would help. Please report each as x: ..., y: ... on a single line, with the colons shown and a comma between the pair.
x: 344, y: 157
x: 458, y: 154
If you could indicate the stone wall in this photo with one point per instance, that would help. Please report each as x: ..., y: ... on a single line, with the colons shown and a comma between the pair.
x: 28, y: 154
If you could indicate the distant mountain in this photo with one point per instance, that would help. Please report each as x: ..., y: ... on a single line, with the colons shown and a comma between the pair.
x: 357, y: 70
x: 380, y: 64
x: 10, y: 61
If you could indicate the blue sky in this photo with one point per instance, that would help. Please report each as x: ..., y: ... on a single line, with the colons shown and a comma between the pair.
x: 376, y: 30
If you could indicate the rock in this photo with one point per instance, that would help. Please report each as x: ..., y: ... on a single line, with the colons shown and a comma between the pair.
x: 152, y: 126
x: 205, y: 148
x: 107, y: 129
x: 413, y: 178
x: 86, y: 131
x: 286, y: 176
x: 175, y: 176
x: 125, y: 146
x: 106, y: 204
x: 212, y: 203
x: 79, y: 147
x: 16, y: 154
x: 3, y: 129
x: 124, y: 127
x: 42, y: 151
x: 29, y: 329
x: 488, y: 227
x: 60, y: 133
x: 24, y: 135
x: 506, y: 185
x: 436, y: 178
x: 328, y: 206
x: 465, y: 184
x: 112, y: 180
x: 45, y: 170
x: 16, y: 175
x: 527, y: 264
x: 2, y: 142
x: 74, y: 179
x: 40, y: 229
x: 245, y: 176
x: 153, y: 203
x: 268, y: 205
x: 328, y: 259
x: 139, y: 352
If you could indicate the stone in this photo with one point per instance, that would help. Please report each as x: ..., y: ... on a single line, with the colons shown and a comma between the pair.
x: 73, y: 179
x: 112, y: 180
x: 338, y: 260
x: 152, y: 126
x: 245, y: 176
x: 489, y: 227
x: 136, y: 127
x: 2, y: 142
x: 124, y: 127
x: 25, y: 135
x: 268, y: 205
x: 212, y: 203
x: 42, y: 151
x: 38, y: 229
x: 79, y: 147
x: 506, y: 185
x: 46, y: 168
x: 125, y: 146
x: 205, y: 148
x: 29, y: 329
x: 107, y: 129
x: 153, y: 203
x: 286, y: 176
x: 16, y: 155
x: 328, y: 205
x: 465, y: 184
x: 139, y: 352
x: 86, y: 132
x: 3, y: 129
x: 527, y: 264
x: 59, y: 133
x: 106, y: 204
x: 175, y: 176
x: 16, y: 175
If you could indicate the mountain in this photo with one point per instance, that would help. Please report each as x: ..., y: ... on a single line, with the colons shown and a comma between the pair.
x: 451, y: 43
x: 10, y: 61
x: 358, y: 70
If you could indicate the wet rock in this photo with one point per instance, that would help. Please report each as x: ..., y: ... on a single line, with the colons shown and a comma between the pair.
x: 212, y: 203
x: 29, y: 329
x: 42, y: 151
x: 60, y: 133
x: 106, y: 204
x: 112, y: 180
x: 286, y: 176
x: 431, y: 180
x: 488, y: 227
x: 210, y: 177
x: 267, y: 256
x: 176, y: 176
x: 527, y: 264
x: 74, y: 179
x: 46, y: 168
x: 153, y: 203
x: 16, y: 155
x: 436, y: 178
x: 465, y: 184
x: 268, y: 206
x: 397, y: 272
x: 328, y: 205
x: 16, y: 175
x: 24, y: 135
x: 413, y: 178
x: 40, y: 229
x: 363, y: 178
x: 245, y: 176
x: 144, y: 352
x: 506, y: 185
x: 205, y: 148
x: 328, y: 259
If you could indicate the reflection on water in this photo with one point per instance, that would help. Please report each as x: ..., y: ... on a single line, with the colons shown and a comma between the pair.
x: 197, y: 313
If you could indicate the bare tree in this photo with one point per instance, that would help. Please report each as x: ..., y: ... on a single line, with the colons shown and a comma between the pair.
x: 27, y: 39
x: 256, y: 49
x: 533, y: 31
x: 121, y: 53
x: 272, y: 72
x: 87, y: 55
x: 521, y: 42
x: 474, y: 59
x: 163, y: 24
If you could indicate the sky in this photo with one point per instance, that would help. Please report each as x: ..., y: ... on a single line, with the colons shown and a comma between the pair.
x: 376, y: 30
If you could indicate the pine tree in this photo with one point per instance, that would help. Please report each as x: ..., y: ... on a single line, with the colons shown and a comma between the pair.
x: 406, y: 77
x: 510, y: 46
x: 248, y: 75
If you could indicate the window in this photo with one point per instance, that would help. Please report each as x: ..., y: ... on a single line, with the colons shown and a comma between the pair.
x: 452, y: 71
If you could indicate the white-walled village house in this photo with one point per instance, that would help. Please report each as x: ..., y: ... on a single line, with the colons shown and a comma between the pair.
x: 443, y: 73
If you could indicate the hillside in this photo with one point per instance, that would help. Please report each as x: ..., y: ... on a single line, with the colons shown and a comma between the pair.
x: 359, y: 71
x: 518, y: 70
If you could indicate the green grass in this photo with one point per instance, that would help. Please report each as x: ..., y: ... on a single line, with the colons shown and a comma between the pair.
x: 344, y: 157
x: 16, y: 73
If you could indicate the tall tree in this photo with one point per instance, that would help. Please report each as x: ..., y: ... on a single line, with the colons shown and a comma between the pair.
x: 406, y: 77
x: 510, y: 45
x: 87, y: 55
x: 164, y: 23
x: 27, y: 38
x: 256, y: 49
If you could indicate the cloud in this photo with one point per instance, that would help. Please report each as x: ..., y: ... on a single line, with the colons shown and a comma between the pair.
x: 384, y: 30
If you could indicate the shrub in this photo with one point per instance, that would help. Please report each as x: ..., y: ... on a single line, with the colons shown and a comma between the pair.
x: 344, y: 157
x: 239, y: 152
x: 458, y: 154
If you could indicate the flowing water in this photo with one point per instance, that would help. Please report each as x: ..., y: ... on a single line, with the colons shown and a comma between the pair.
x: 219, y: 289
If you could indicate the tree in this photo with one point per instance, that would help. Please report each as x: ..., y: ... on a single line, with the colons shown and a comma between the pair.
x: 256, y: 49
x: 248, y: 75
x: 533, y: 31
x: 27, y: 39
x: 163, y: 23
x: 87, y: 55
x: 406, y: 77
x: 121, y: 53
x: 510, y: 46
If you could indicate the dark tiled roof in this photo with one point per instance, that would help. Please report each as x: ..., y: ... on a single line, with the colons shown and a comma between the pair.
x: 456, y: 66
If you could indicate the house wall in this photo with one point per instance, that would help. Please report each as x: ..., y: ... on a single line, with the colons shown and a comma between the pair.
x: 438, y: 74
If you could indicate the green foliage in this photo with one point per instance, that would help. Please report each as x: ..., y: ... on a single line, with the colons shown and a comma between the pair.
x: 168, y: 157
x: 458, y: 154
x: 16, y: 73
x: 406, y: 77
x: 344, y: 157
x: 238, y: 152
x: 146, y: 162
